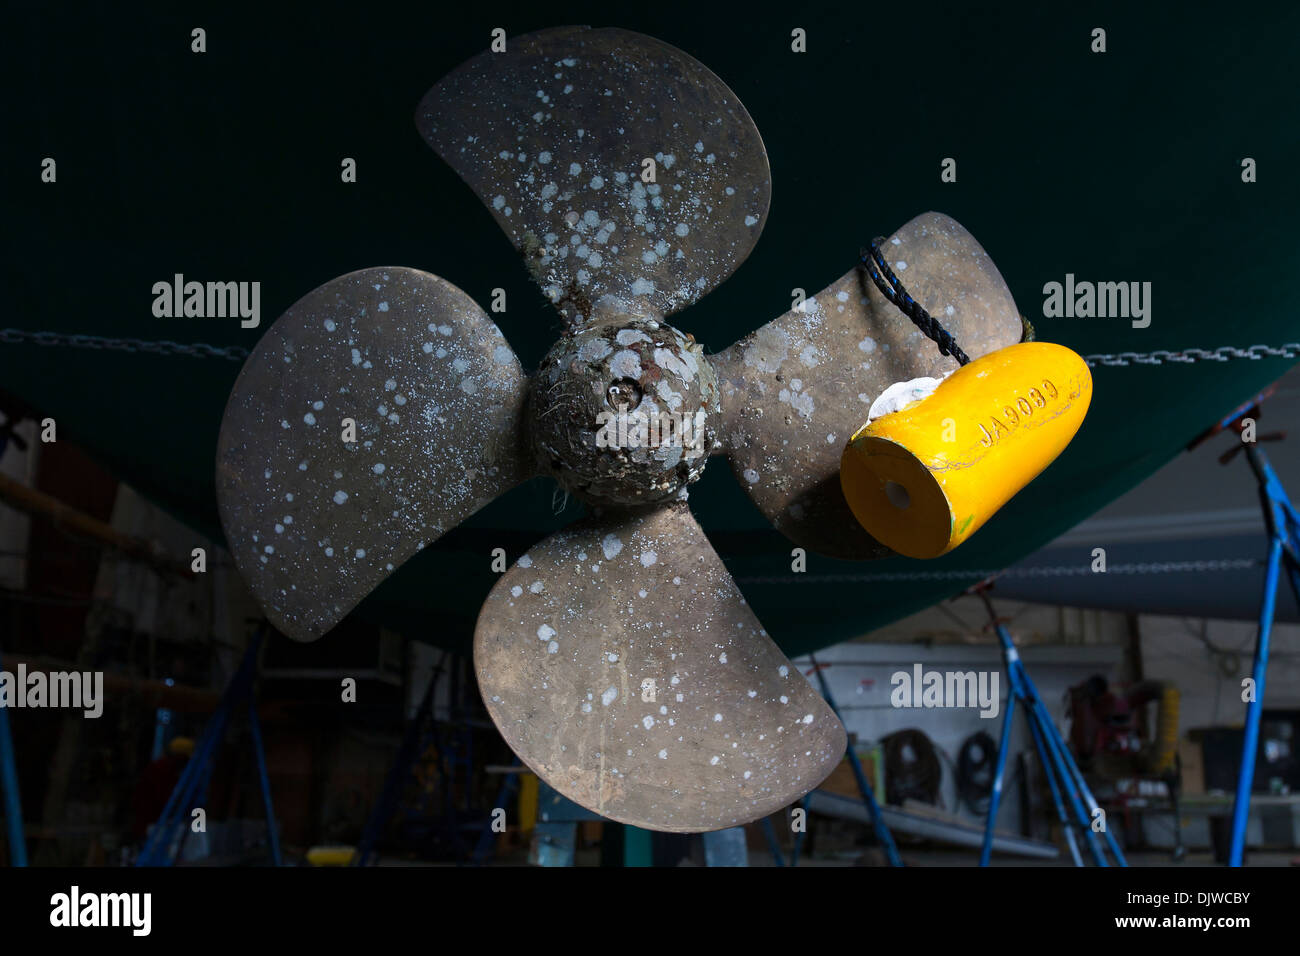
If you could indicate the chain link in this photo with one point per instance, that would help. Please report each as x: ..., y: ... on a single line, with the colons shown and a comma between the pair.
x: 1221, y: 354
x: 234, y: 353
x: 1156, y: 567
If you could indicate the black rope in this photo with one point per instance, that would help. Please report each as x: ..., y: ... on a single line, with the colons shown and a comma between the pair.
x: 893, y: 290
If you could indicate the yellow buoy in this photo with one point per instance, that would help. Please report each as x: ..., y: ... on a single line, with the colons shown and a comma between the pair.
x: 926, y: 477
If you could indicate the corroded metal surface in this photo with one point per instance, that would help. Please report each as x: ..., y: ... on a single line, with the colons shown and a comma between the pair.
x: 620, y: 661
x: 315, y: 523
x: 794, y: 391
x: 552, y: 135
x: 624, y: 412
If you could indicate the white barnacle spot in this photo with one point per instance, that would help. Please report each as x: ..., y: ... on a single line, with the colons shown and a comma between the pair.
x: 642, y: 287
x: 682, y: 229
x: 611, y: 545
x: 625, y: 364
x: 900, y: 265
x: 516, y: 591
x: 586, y: 708
x: 648, y: 558
x: 525, y: 561
x: 428, y: 347
x: 783, y: 670
x: 949, y: 310
x: 536, y: 587
x: 722, y: 658
x: 309, y: 418
x: 647, y: 721
x: 574, y: 169
x: 544, y: 157
x: 717, y: 718
x: 545, y: 632
x: 751, y: 476
x: 612, y: 657
x: 699, y: 147
x: 361, y: 552
x: 830, y: 439
x: 469, y: 386
x: 597, y: 182
x: 841, y: 296
x: 498, y: 202
x: 279, y: 529
x: 809, y: 356
x: 329, y: 325
x: 751, y: 220
x: 552, y: 647
x: 807, y: 718
x: 269, y: 549
x: 675, y: 680
x: 784, y: 699
x: 663, y: 711
x: 444, y: 330
x: 340, y: 497
x: 356, y: 356
x: 329, y: 552
x: 383, y: 306
x: 867, y: 345
x: 751, y: 693
x: 610, y: 695
x: 748, y: 774
x: 713, y: 761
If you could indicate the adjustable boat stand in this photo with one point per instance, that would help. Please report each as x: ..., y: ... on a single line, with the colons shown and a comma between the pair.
x: 883, y: 836
x: 1283, y: 525
x: 165, y: 842
x: 1076, y: 807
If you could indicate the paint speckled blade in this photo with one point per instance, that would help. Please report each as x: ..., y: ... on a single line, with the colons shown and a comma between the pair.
x: 552, y: 135
x: 620, y: 661
x: 794, y: 391
x: 315, y: 523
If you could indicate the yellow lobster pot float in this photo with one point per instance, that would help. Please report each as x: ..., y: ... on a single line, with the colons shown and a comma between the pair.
x: 925, y: 478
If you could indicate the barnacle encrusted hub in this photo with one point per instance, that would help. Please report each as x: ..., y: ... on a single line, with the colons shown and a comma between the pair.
x: 624, y: 411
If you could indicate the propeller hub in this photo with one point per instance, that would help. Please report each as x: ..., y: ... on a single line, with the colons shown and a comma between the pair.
x: 624, y: 411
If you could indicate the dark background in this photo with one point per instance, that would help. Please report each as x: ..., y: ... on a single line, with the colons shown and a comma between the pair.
x: 1123, y: 166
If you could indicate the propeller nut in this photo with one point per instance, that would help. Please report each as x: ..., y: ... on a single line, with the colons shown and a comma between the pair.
x: 624, y: 412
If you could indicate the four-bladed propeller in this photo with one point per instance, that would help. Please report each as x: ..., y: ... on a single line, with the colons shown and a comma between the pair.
x: 617, y: 657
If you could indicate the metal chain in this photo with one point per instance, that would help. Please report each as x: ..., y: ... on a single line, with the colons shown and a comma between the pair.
x: 234, y: 353
x: 1221, y: 354
x: 237, y: 353
x: 1157, y: 567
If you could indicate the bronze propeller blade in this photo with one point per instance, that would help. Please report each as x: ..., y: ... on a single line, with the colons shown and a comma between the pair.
x: 315, y: 521
x: 554, y: 135
x: 795, y: 390
x: 620, y: 661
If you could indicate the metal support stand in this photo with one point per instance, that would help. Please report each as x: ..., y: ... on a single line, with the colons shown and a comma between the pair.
x: 1283, y: 526
x: 883, y: 836
x: 192, y: 788
x: 1284, y: 549
x: 13, y: 807
x: 1076, y: 807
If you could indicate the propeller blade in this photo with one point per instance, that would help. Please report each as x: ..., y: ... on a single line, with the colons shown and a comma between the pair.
x: 315, y: 522
x: 553, y: 136
x: 620, y: 661
x: 795, y: 390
